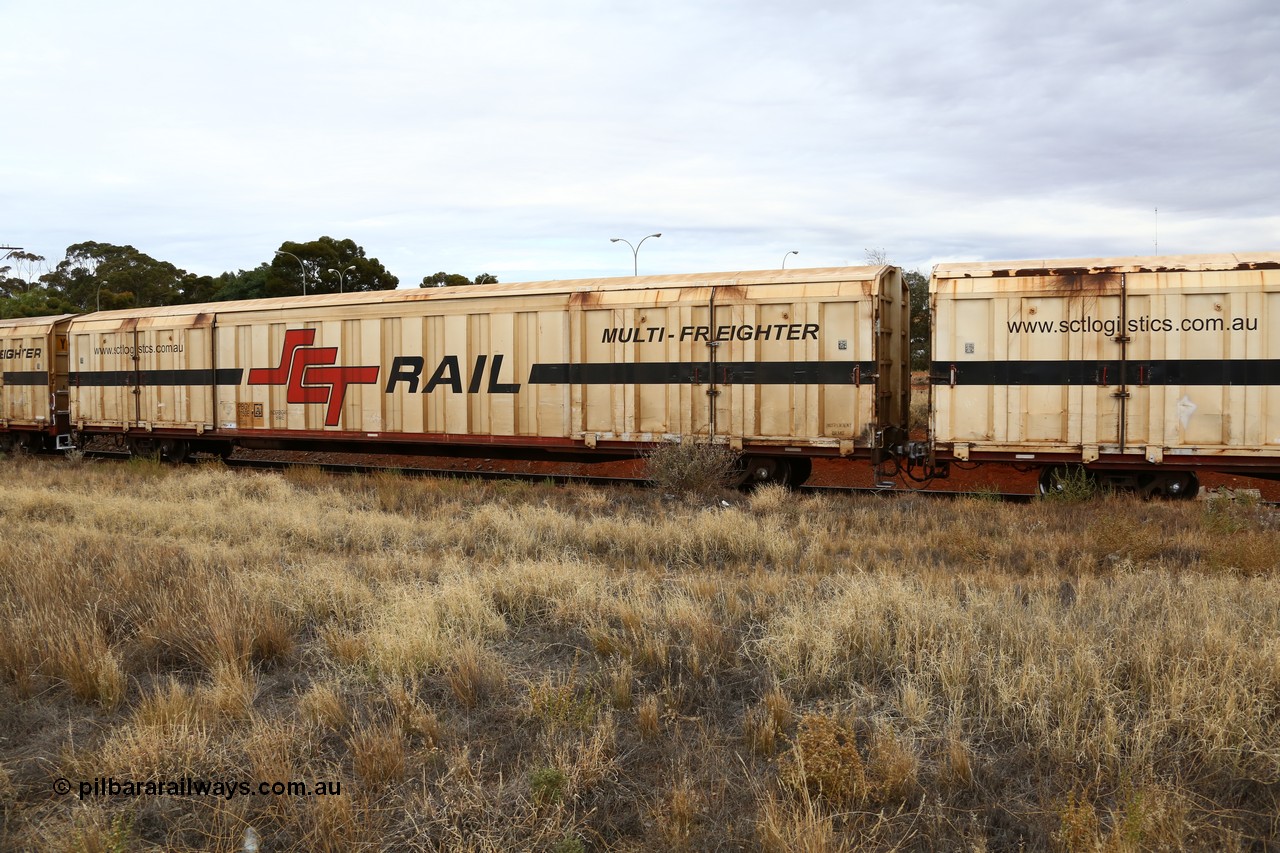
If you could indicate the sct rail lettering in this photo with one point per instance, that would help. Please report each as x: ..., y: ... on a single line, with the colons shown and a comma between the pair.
x: 19, y: 352
x: 448, y: 374
x: 768, y: 332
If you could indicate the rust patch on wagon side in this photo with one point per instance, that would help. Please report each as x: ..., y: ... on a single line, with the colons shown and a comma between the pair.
x: 731, y: 291
x: 585, y: 299
x: 1073, y: 283
x: 1258, y: 265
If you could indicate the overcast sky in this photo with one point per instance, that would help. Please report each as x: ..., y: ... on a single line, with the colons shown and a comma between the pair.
x: 516, y: 138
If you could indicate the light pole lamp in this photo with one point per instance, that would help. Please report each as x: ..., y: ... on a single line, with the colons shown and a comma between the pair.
x: 787, y: 255
x: 301, y: 264
x: 635, y: 251
x: 340, y: 273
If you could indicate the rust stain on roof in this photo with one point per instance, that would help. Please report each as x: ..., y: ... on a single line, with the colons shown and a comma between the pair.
x: 1103, y: 266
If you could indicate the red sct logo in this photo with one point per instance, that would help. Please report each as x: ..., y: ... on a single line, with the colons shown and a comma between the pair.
x: 312, y: 375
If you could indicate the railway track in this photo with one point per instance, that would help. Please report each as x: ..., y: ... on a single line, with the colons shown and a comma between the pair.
x: 559, y: 478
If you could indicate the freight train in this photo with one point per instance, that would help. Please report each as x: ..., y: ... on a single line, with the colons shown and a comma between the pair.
x: 1141, y: 371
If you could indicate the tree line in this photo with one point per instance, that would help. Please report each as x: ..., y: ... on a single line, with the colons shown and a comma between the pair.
x: 103, y: 277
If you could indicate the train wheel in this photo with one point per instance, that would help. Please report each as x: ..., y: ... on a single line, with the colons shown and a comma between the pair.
x: 172, y: 450
x: 143, y: 448
x: 800, y: 471
x: 1183, y: 486
x: 759, y: 470
x: 1192, y: 488
x: 32, y: 442
x: 6, y: 442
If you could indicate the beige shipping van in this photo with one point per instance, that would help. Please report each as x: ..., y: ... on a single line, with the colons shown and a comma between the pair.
x: 780, y: 364
x: 33, y: 382
x: 1147, y: 368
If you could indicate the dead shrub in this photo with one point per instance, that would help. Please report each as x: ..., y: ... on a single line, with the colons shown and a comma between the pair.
x: 824, y: 762
x: 699, y: 469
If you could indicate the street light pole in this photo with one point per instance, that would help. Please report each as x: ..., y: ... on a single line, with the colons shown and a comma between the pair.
x: 635, y: 251
x: 787, y: 255
x: 301, y: 264
x: 339, y: 274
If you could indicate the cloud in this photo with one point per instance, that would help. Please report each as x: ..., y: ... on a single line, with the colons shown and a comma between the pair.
x: 502, y: 136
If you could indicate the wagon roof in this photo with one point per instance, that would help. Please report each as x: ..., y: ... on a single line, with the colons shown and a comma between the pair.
x: 29, y: 322
x: 1078, y: 266
x: 473, y: 291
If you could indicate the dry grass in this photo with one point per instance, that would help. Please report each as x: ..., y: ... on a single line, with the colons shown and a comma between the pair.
x: 494, y: 666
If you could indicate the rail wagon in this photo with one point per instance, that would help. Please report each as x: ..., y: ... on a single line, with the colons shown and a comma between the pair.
x: 780, y: 365
x: 33, y: 386
x: 1144, y: 370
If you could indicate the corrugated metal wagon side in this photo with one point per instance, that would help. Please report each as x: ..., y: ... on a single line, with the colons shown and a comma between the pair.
x: 146, y: 376
x: 810, y: 363
x: 33, y: 382
x: 1143, y: 369
x: 778, y: 364
x: 439, y: 367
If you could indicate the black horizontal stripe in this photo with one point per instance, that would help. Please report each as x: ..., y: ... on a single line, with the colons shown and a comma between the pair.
x: 25, y: 377
x: 1210, y: 371
x: 686, y: 372
x: 113, y: 378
